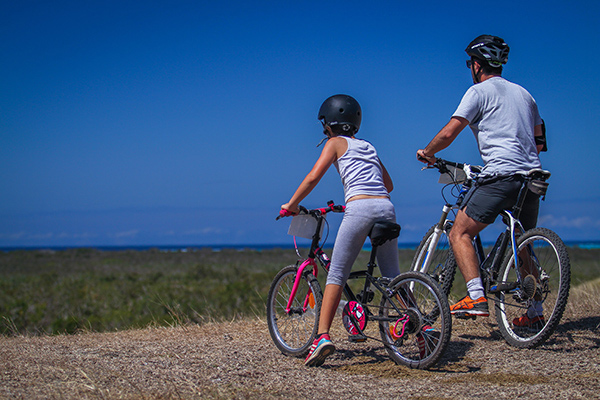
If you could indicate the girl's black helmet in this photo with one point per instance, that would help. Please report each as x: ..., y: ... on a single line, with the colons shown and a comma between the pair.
x: 489, y: 48
x: 342, y: 113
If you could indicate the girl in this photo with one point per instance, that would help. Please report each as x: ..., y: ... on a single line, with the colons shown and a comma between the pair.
x: 367, y: 185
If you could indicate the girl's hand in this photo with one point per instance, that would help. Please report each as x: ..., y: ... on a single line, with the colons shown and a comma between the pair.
x: 293, y: 208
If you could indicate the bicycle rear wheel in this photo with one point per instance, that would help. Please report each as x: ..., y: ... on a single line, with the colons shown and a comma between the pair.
x: 415, y: 323
x: 441, y: 264
x: 293, y: 331
x: 544, y: 255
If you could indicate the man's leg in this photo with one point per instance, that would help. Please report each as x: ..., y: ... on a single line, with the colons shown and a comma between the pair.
x: 462, y: 234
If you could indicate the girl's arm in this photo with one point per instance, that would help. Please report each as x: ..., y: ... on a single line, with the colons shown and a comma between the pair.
x: 329, y: 155
x: 387, y: 179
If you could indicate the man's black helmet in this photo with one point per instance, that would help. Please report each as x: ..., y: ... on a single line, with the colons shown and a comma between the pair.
x: 342, y: 113
x: 489, y: 48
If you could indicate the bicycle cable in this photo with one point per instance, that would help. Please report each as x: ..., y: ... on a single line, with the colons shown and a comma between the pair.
x: 322, y: 240
x: 454, y: 192
x: 326, y: 234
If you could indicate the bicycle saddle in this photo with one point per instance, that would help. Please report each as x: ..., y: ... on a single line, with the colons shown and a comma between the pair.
x: 384, y: 231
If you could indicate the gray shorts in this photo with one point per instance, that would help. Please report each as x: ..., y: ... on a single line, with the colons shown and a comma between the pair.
x: 490, y: 196
x: 359, y: 218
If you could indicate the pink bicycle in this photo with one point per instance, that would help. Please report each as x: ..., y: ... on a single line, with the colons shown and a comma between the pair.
x: 413, y: 313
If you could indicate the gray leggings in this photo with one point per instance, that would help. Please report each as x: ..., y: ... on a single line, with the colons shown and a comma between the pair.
x: 358, y: 220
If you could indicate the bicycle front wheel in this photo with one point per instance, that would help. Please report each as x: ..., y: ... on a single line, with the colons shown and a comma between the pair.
x: 439, y: 262
x: 542, y: 257
x: 415, y: 323
x: 293, y: 327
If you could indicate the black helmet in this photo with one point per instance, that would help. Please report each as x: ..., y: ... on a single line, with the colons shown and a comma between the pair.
x: 489, y: 48
x: 342, y: 113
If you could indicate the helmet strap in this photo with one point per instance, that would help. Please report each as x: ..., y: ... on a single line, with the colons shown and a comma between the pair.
x: 327, y: 132
x: 323, y: 140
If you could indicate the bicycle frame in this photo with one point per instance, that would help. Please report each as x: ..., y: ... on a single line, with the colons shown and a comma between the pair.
x: 317, y: 253
x: 310, y: 261
x: 410, y: 310
x: 489, y: 264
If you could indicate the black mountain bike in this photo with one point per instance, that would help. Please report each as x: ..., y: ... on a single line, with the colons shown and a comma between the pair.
x: 413, y: 313
x: 521, y: 269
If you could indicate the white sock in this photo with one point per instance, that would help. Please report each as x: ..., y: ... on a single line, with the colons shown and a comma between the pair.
x: 475, y: 288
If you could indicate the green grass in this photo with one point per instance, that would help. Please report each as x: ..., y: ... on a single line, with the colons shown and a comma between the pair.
x: 51, y: 292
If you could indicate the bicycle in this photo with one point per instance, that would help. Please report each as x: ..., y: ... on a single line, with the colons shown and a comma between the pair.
x: 543, y: 269
x: 413, y: 313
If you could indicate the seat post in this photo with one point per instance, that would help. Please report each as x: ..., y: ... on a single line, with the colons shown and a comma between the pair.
x: 520, y: 199
x: 371, y: 265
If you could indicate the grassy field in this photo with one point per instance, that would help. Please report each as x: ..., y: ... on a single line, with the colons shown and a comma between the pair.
x: 50, y: 292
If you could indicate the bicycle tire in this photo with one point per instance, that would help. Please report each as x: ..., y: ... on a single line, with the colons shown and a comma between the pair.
x: 442, y: 267
x: 551, y: 257
x: 419, y: 297
x: 293, y: 333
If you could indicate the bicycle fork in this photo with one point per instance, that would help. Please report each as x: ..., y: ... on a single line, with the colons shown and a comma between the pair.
x: 309, y: 295
x: 439, y: 228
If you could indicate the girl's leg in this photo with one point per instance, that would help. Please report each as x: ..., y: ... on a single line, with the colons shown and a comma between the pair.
x: 387, y: 254
x: 348, y: 244
x: 387, y: 259
x: 331, y: 300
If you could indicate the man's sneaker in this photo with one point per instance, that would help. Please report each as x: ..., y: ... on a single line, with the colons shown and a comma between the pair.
x: 427, y: 340
x: 319, y: 351
x: 526, y: 322
x: 468, y: 307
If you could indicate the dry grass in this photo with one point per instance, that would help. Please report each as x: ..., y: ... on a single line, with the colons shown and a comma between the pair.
x: 237, y: 359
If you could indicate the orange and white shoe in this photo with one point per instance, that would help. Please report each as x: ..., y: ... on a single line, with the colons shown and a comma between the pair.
x: 525, y: 322
x: 467, y: 307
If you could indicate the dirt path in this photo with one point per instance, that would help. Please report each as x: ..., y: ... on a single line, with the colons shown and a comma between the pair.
x: 238, y: 360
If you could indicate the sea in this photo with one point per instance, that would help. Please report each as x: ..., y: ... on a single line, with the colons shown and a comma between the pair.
x: 239, y: 247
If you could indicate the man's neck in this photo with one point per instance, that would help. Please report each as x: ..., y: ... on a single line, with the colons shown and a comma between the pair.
x: 485, y: 77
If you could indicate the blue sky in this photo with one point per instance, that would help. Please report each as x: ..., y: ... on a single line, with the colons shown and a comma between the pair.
x: 190, y: 122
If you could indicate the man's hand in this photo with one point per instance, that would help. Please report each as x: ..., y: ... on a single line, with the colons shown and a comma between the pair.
x: 421, y: 156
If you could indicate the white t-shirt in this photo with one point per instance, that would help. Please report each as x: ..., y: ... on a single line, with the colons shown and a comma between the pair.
x: 360, y: 170
x: 502, y: 116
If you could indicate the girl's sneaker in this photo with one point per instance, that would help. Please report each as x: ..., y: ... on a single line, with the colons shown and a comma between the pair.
x: 319, y: 351
x: 427, y: 339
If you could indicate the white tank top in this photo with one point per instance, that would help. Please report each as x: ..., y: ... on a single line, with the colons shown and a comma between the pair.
x: 360, y: 170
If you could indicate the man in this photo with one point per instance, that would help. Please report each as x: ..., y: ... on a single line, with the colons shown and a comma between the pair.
x: 509, y: 131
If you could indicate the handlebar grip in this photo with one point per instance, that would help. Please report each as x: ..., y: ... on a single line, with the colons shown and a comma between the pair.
x: 284, y: 213
x: 304, y: 210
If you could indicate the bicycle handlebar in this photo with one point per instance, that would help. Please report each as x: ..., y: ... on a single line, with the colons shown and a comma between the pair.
x: 331, y: 207
x: 441, y: 165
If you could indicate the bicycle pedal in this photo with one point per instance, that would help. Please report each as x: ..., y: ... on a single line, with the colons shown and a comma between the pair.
x: 464, y: 316
x: 357, y: 338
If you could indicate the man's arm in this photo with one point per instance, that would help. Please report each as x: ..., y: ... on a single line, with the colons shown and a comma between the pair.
x: 539, y: 132
x: 443, y: 139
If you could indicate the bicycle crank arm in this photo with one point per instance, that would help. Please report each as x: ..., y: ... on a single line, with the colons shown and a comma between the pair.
x: 504, y: 287
x: 357, y: 338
